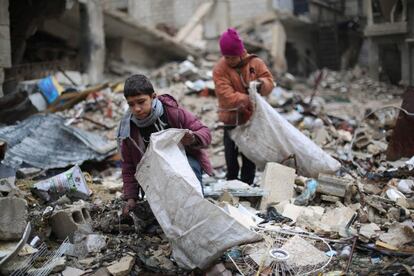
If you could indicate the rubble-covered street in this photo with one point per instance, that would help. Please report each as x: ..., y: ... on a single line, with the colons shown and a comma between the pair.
x: 333, y: 146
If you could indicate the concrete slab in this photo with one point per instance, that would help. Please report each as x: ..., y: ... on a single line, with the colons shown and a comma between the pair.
x: 13, y: 218
x: 302, y: 253
x: 278, y: 182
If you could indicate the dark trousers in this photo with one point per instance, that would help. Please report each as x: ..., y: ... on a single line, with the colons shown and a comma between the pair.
x: 196, y: 166
x: 231, y: 152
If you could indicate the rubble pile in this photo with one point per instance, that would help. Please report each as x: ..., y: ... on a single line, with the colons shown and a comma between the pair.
x: 358, y: 221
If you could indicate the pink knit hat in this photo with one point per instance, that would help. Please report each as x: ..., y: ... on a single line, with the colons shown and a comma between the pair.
x: 231, y: 44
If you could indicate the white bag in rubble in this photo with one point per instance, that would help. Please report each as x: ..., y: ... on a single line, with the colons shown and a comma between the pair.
x: 198, y: 230
x: 268, y: 137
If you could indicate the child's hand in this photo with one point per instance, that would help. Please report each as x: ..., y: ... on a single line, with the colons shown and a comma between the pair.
x: 259, y: 85
x: 188, y: 139
x: 129, y: 206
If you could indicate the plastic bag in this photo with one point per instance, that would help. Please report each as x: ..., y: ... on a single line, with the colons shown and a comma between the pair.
x: 268, y: 137
x: 198, y: 230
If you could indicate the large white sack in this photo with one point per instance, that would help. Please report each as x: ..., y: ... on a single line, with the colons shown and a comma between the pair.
x: 268, y: 137
x: 198, y: 230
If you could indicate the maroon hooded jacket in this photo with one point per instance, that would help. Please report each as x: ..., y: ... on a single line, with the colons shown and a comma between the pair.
x: 132, y: 145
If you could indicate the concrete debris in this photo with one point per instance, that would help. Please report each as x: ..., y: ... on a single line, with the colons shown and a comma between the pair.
x: 95, y: 243
x: 332, y: 185
x: 302, y: 253
x: 218, y: 270
x: 277, y: 182
x: 7, y: 179
x: 369, y: 200
x: 406, y: 186
x: 398, y: 235
x: 66, y: 221
x: 336, y: 220
x: 72, y: 271
x: 369, y: 231
x: 122, y: 267
x: 13, y: 218
x: 57, y: 266
x: 103, y: 271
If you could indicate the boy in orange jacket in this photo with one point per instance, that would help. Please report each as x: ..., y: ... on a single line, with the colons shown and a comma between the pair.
x: 232, y: 75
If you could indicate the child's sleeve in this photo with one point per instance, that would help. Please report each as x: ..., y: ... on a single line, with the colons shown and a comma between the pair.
x: 264, y: 74
x: 130, y: 187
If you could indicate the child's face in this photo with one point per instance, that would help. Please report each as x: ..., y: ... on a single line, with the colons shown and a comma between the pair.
x: 140, y: 105
x: 233, y: 61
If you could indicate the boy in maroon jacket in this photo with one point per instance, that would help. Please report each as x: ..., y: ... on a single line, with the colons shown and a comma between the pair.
x: 149, y: 113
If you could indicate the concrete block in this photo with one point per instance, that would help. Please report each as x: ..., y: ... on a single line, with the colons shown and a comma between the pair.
x: 278, y: 182
x: 65, y: 222
x: 332, y: 185
x: 13, y: 218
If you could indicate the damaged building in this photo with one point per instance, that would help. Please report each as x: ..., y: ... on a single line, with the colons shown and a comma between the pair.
x: 333, y: 186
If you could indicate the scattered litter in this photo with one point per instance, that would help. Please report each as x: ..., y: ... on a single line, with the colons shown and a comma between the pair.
x: 71, y: 182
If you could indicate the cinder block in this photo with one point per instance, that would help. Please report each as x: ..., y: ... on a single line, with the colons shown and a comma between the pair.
x: 66, y: 221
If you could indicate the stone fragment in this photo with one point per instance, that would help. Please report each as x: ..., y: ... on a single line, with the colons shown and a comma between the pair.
x: 333, y: 185
x: 369, y: 231
x: 72, y: 271
x: 122, y: 267
x: 13, y: 218
x: 335, y: 220
x: 95, y: 243
x: 329, y: 198
x: 103, y: 271
x: 218, y: 270
x: 398, y: 234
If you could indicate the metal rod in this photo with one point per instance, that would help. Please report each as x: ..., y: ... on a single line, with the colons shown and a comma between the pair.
x: 351, y: 255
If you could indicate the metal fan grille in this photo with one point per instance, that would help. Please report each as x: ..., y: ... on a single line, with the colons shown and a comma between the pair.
x: 272, y: 257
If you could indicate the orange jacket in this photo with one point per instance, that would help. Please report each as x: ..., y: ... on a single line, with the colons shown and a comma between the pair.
x: 234, y: 104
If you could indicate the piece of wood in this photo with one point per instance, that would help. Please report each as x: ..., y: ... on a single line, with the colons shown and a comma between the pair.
x: 386, y: 245
x: 74, y: 98
x: 199, y: 14
x: 278, y: 182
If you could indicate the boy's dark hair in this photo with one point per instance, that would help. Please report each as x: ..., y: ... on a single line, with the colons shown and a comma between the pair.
x: 138, y: 85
